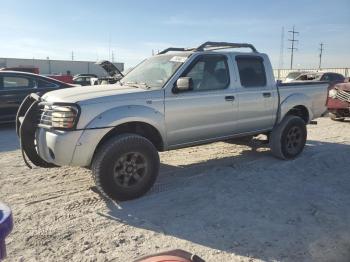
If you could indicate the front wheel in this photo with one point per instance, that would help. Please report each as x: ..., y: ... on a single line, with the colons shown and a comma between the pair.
x: 125, y: 167
x: 288, y: 138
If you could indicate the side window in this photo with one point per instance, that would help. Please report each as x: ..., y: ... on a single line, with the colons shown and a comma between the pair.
x: 338, y: 77
x: 327, y: 77
x: 209, y: 73
x: 16, y: 82
x: 46, y: 84
x: 251, y: 71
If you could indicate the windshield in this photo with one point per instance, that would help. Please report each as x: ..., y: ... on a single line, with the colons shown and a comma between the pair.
x: 155, y: 71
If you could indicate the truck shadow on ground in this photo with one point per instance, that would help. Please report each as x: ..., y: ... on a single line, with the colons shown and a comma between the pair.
x: 261, y: 208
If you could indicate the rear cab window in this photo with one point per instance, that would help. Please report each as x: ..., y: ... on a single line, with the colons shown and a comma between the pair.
x: 251, y: 71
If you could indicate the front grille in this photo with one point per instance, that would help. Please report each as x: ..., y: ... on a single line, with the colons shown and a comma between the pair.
x: 343, y: 95
x: 44, y: 117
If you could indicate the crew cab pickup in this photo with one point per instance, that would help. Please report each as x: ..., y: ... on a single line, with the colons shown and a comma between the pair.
x: 178, y: 98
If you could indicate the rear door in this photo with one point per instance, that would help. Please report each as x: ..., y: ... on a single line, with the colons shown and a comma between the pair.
x: 256, y: 94
x: 13, y: 89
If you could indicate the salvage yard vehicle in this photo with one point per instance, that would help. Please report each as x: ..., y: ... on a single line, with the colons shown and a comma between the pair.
x: 114, y: 74
x: 338, y: 102
x: 15, y: 86
x: 178, y: 98
x: 293, y: 75
x: 320, y: 76
x: 84, y: 79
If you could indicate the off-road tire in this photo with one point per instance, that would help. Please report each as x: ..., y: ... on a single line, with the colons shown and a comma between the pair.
x: 280, y: 138
x: 108, y: 156
x: 334, y: 117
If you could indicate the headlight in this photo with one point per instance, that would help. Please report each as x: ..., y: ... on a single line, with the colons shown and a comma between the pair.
x: 60, y: 116
x: 332, y: 93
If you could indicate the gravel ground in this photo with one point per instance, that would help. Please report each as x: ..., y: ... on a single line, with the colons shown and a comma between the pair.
x: 221, y: 201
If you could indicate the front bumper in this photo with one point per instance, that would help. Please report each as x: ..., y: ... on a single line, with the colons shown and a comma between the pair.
x: 56, y: 147
x: 69, y: 148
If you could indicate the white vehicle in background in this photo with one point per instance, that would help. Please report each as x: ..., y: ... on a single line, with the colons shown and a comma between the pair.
x: 169, y: 101
x: 292, y: 76
x: 330, y: 77
x: 114, y: 74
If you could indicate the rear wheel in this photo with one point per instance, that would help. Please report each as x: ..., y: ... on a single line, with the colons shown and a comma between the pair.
x: 125, y: 167
x: 288, y: 139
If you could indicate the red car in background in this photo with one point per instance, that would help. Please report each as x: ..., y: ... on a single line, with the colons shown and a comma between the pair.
x: 338, y: 102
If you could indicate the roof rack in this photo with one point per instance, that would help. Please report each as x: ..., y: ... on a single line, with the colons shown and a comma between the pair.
x: 211, y: 46
x: 224, y: 45
x: 175, y: 49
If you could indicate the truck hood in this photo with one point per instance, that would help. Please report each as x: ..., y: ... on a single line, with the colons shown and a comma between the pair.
x: 90, y: 93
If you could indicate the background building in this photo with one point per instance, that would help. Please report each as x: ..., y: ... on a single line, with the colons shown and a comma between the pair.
x: 49, y: 67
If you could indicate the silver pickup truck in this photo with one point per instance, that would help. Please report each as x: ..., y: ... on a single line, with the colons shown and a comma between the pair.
x: 178, y: 98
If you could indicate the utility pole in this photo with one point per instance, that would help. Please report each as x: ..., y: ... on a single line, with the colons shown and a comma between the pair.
x: 112, y: 56
x: 293, y: 40
x: 321, y: 52
x: 280, y: 62
x: 72, y: 56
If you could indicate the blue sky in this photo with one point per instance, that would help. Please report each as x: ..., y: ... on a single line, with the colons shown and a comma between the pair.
x: 133, y: 28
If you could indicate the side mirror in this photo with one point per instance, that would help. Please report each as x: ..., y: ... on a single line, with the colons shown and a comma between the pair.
x: 183, y: 84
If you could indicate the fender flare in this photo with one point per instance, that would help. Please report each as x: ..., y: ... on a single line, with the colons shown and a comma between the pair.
x: 125, y: 114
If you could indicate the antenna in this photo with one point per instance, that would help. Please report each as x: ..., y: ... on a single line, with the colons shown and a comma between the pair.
x: 321, y: 52
x: 280, y: 63
x: 293, y: 40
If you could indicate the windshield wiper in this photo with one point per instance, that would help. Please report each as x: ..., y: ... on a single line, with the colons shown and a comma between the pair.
x: 138, y: 84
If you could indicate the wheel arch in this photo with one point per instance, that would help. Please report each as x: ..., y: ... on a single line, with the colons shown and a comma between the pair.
x: 300, y: 111
x: 143, y: 129
x: 298, y: 105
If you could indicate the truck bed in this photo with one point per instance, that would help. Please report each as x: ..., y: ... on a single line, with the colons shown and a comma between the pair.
x: 315, y: 92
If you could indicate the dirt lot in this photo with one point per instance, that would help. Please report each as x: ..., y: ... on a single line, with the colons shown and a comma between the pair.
x: 221, y: 201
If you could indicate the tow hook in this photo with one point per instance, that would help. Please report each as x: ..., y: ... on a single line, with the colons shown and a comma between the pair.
x: 313, y: 122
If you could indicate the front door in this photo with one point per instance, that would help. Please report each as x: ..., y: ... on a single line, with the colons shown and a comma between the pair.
x: 208, y: 110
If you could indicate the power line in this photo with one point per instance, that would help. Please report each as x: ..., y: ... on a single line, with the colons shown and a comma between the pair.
x: 321, y: 52
x: 293, y: 40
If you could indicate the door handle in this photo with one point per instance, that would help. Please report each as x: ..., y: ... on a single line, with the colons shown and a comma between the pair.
x: 229, y: 98
x: 267, y: 94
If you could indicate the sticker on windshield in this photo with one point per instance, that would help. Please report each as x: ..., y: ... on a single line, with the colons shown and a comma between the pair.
x: 179, y: 59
